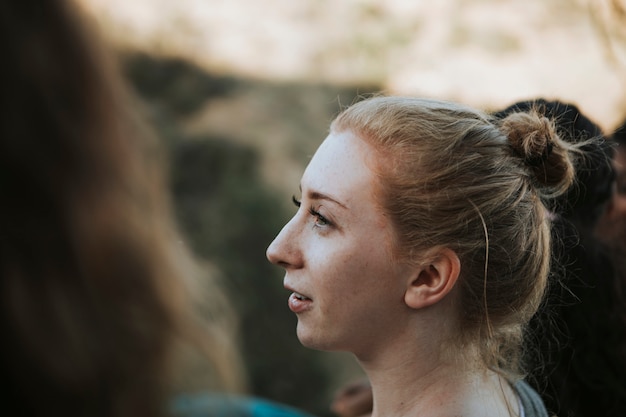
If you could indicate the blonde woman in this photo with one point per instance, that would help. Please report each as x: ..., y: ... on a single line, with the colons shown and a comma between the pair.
x: 421, y: 245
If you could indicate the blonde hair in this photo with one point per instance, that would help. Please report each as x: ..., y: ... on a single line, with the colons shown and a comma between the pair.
x: 452, y: 176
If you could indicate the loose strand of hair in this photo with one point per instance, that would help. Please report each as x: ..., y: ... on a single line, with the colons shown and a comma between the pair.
x: 482, y: 219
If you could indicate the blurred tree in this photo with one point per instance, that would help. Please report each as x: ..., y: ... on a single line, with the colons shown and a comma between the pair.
x: 177, y: 86
x: 230, y: 217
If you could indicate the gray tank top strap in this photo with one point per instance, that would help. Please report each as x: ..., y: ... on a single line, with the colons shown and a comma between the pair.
x: 530, y: 401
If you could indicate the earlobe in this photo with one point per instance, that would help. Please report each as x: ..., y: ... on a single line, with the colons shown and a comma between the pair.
x: 432, y: 282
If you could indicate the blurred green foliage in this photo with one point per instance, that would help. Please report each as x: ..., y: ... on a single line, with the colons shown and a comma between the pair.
x: 229, y: 215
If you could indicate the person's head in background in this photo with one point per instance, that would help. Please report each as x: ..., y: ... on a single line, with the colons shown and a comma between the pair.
x: 93, y: 297
x: 612, y: 227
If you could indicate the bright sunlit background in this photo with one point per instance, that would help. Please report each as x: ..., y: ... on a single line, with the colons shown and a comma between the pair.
x: 242, y: 92
x: 483, y: 52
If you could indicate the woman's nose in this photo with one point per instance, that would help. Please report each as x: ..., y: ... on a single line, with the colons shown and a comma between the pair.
x: 283, y: 250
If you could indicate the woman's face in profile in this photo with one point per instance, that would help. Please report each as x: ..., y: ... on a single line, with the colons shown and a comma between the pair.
x: 347, y: 290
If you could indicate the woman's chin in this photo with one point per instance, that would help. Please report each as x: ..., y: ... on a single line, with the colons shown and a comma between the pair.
x: 305, y: 337
x: 312, y: 340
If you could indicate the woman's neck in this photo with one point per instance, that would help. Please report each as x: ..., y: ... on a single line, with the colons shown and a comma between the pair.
x: 428, y: 386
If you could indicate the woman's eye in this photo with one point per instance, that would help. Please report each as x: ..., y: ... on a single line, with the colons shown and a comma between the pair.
x: 319, y: 219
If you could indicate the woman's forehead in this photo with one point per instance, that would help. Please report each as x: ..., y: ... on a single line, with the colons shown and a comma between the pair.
x: 340, y: 168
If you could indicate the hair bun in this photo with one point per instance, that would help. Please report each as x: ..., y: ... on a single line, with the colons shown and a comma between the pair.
x: 534, y: 139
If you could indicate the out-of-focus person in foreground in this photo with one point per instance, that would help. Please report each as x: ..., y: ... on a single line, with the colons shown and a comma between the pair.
x: 96, y: 285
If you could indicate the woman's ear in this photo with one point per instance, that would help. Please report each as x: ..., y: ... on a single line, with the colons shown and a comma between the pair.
x: 434, y: 280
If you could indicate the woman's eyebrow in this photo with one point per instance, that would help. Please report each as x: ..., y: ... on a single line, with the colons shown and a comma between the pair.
x: 316, y: 195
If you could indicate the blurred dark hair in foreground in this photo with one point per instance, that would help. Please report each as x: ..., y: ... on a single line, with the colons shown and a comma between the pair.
x: 95, y: 280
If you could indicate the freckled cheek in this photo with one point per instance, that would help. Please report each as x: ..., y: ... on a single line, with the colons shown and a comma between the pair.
x: 366, y: 274
x: 338, y: 277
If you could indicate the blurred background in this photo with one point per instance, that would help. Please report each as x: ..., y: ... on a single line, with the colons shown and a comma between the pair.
x: 242, y: 92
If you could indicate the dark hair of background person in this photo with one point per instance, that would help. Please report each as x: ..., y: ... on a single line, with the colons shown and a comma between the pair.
x: 577, y: 354
x: 93, y: 300
x: 611, y: 229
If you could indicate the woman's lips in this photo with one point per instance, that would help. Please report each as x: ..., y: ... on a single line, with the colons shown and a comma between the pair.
x: 299, y: 303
